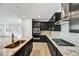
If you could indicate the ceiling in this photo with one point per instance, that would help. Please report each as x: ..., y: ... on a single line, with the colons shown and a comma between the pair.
x: 32, y: 10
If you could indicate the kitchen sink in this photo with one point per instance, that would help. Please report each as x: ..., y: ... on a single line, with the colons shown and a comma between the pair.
x: 15, y: 44
x: 61, y: 42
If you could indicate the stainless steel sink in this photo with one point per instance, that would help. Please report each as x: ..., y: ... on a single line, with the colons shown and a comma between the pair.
x: 15, y: 44
x: 61, y: 42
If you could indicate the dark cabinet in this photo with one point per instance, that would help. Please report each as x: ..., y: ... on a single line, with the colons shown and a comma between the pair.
x: 44, y: 26
x: 55, y: 27
x: 25, y: 50
x: 20, y: 53
x: 55, y: 18
x: 58, y: 53
x: 28, y: 49
x: 53, y: 50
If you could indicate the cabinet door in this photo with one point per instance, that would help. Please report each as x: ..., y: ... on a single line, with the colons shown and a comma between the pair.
x: 28, y: 48
x: 57, y: 16
x: 52, y: 49
x: 57, y: 52
x: 57, y: 27
x: 20, y: 52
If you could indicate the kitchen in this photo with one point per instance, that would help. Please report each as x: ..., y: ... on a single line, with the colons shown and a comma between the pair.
x: 39, y: 29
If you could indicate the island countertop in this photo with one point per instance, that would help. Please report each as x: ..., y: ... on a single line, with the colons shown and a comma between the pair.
x: 67, y: 50
x: 10, y: 52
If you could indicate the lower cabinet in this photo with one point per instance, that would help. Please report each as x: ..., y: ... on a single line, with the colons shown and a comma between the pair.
x: 28, y: 48
x: 25, y: 50
x: 58, y: 53
x: 53, y: 50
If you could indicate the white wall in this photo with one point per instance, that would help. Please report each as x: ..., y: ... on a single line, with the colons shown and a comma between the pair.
x: 27, y: 27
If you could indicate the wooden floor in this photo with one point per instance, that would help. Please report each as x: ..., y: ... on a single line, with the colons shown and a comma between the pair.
x: 40, y: 49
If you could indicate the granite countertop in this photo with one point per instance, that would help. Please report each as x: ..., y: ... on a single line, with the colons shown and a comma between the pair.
x: 10, y: 52
x: 67, y: 50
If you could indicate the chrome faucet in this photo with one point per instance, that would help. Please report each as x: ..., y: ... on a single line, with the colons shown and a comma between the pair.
x: 12, y: 37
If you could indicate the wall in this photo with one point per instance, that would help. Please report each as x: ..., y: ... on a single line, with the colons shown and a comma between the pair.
x: 27, y: 27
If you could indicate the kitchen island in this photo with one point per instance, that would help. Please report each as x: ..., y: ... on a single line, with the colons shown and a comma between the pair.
x: 19, y: 50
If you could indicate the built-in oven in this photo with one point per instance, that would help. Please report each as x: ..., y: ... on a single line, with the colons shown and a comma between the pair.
x: 36, y: 30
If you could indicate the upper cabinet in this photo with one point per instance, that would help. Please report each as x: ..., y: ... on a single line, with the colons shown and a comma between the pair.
x: 54, y: 19
x: 57, y: 16
x: 44, y: 26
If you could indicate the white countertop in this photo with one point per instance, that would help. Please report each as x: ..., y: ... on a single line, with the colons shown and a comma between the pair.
x: 10, y: 52
x: 67, y: 50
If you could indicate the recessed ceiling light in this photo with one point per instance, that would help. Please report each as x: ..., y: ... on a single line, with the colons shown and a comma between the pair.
x: 49, y: 8
x: 39, y: 16
x: 23, y: 16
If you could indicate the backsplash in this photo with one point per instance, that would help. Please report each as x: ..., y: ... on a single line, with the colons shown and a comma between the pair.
x: 66, y: 35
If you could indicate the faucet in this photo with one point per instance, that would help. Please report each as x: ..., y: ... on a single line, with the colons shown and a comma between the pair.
x: 12, y: 37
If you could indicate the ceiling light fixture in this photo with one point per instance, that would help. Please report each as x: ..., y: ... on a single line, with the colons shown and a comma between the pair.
x: 39, y: 16
x: 23, y: 16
